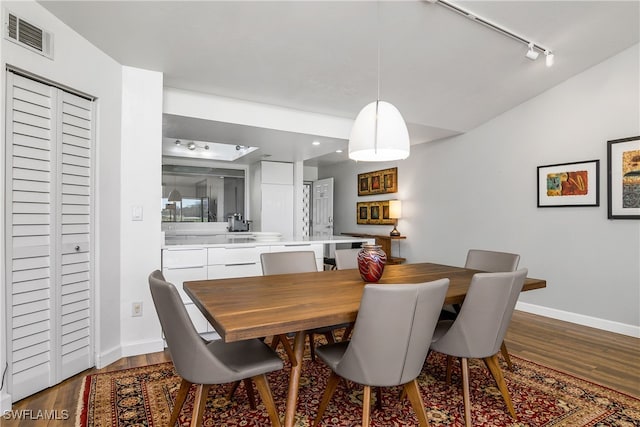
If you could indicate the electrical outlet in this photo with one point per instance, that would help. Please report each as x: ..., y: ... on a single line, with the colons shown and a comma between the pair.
x: 136, y: 309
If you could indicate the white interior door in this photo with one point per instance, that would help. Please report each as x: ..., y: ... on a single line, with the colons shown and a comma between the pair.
x: 323, y: 207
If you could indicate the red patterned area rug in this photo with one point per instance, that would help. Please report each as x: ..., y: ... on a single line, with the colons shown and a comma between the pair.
x: 542, y: 397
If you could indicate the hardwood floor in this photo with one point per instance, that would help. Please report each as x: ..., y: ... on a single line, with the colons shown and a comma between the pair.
x: 605, y: 358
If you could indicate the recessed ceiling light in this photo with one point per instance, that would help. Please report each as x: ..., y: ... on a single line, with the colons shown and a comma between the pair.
x: 315, y: 143
x: 338, y: 151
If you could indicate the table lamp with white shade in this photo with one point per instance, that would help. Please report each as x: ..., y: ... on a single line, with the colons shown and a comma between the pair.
x: 395, y: 212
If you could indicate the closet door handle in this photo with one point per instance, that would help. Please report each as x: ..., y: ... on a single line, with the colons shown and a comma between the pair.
x: 77, y: 248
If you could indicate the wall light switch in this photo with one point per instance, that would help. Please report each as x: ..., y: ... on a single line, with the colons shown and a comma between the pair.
x: 136, y: 213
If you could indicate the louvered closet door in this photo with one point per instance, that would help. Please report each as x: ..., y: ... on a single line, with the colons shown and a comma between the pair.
x: 48, y: 227
x: 75, y: 225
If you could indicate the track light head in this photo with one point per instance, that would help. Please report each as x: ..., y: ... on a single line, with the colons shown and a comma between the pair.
x: 532, y: 54
x: 549, y: 59
x: 191, y: 146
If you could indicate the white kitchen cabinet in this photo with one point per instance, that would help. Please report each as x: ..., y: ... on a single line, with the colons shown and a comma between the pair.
x: 272, y: 198
x: 229, y: 262
x: 181, y: 265
x: 277, y: 173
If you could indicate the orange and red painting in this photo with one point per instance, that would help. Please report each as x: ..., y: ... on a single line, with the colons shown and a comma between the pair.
x: 568, y: 183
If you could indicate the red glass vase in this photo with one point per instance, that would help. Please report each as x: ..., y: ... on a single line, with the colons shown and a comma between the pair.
x: 371, y: 262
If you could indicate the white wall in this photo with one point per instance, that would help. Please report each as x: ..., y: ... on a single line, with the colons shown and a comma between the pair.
x: 79, y: 65
x: 478, y: 190
x: 141, y: 162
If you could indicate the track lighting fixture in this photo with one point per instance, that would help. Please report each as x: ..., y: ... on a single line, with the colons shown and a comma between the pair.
x: 191, y: 146
x: 531, y: 53
x: 549, y: 59
x: 533, y: 50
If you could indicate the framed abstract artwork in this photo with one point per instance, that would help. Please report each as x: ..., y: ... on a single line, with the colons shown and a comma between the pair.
x: 623, y: 173
x: 569, y: 184
x: 378, y: 182
x: 376, y: 213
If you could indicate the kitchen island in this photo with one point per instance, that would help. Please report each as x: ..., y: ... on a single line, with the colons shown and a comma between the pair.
x: 194, y: 256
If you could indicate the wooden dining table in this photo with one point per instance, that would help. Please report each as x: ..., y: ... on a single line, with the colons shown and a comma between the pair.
x: 260, y: 306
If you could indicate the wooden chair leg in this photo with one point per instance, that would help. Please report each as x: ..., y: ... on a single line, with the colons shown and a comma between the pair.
x: 413, y: 392
x: 267, y: 398
x: 466, y: 395
x: 312, y: 346
x: 180, y: 398
x: 249, y: 387
x: 347, y: 332
x: 286, y: 345
x: 449, y: 367
x: 199, y: 404
x: 366, y: 406
x: 232, y: 389
x: 275, y: 341
x: 505, y: 355
x: 494, y: 367
x: 252, y: 397
x: 332, y: 384
x: 329, y: 337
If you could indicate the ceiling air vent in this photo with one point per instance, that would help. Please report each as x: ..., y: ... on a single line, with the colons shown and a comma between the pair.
x: 28, y: 35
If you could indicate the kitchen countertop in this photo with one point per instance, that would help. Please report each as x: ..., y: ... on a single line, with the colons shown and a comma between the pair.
x: 241, y: 239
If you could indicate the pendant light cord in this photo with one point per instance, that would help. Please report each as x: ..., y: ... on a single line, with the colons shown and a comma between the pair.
x: 375, y: 132
x: 378, y: 46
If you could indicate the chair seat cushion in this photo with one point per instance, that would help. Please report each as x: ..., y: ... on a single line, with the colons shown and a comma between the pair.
x: 248, y: 358
x: 331, y: 354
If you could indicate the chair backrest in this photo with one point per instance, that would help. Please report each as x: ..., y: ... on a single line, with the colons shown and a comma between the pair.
x: 392, y: 333
x: 491, y: 261
x: 189, y: 353
x: 288, y: 262
x: 346, y: 258
x: 482, y: 323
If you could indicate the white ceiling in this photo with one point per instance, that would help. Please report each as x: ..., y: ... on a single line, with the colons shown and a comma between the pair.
x: 445, y: 73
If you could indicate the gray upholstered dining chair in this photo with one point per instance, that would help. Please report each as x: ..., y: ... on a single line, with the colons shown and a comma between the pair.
x: 346, y: 258
x: 290, y: 263
x: 479, y: 329
x: 206, y: 363
x: 390, y: 341
x: 492, y: 262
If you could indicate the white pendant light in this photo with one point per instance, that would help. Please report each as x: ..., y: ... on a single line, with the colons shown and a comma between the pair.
x: 175, y: 196
x: 379, y: 133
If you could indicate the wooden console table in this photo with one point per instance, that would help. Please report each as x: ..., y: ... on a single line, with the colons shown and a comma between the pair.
x: 385, y: 243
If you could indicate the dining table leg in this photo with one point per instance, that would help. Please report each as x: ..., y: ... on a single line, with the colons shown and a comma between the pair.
x: 294, y: 379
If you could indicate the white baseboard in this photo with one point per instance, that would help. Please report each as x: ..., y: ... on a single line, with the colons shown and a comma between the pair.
x: 108, y: 357
x: 580, y: 319
x: 5, y: 402
x: 142, y: 347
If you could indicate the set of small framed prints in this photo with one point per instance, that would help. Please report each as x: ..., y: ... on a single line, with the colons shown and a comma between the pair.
x: 578, y: 183
x: 383, y: 181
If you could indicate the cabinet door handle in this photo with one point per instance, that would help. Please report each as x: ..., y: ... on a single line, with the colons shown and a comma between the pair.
x: 304, y: 244
x: 242, y: 263
x: 77, y: 248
